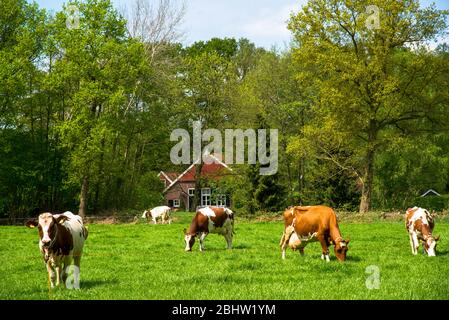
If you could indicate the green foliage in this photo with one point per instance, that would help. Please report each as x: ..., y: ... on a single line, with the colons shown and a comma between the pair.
x: 86, y: 114
x: 433, y: 203
x: 367, y: 84
x: 225, y: 48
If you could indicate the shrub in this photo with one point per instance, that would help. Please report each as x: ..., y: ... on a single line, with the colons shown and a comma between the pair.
x: 437, y: 203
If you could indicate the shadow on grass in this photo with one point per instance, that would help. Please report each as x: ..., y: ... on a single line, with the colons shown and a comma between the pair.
x: 442, y: 253
x: 353, y: 258
x: 216, y: 249
x: 90, y: 284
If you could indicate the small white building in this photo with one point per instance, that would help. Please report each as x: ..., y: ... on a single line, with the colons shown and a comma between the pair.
x: 430, y: 192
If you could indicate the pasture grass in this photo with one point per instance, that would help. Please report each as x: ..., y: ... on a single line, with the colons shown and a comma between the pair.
x: 144, y: 261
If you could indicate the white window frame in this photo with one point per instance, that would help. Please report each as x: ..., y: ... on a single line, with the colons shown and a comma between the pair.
x: 221, y: 200
x: 206, y: 197
x: 191, y: 194
x: 176, y: 203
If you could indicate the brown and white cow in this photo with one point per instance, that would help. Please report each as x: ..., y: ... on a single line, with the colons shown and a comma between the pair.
x: 310, y: 224
x: 61, y: 241
x: 210, y: 220
x: 419, y: 224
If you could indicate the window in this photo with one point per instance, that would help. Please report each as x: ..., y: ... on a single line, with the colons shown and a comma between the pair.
x: 191, y: 192
x: 221, y: 200
x: 205, y: 197
x: 175, y: 203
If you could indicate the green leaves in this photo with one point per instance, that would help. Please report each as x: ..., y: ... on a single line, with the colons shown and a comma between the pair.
x: 368, y: 81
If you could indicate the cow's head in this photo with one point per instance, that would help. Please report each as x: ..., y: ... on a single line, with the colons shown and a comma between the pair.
x: 340, y: 249
x: 46, y: 224
x: 189, y: 240
x: 430, y: 245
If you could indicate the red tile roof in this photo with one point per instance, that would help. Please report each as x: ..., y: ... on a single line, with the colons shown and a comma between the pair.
x: 172, y: 175
x: 208, y: 170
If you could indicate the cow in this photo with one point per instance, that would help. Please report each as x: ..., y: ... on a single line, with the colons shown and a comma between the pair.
x: 310, y: 224
x: 61, y: 241
x: 210, y: 220
x: 162, y: 212
x: 419, y: 224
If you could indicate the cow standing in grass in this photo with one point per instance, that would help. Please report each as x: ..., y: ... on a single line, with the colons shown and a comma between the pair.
x: 210, y: 220
x: 310, y: 224
x: 162, y: 212
x: 419, y: 224
x: 61, y: 241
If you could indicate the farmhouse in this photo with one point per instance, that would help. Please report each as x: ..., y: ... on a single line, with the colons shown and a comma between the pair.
x: 180, y: 188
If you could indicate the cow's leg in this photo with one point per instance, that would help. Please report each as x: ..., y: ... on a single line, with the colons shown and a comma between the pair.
x: 154, y: 221
x: 64, y: 272
x: 415, y: 243
x: 58, y: 274
x: 284, y: 246
x: 228, y: 237
x: 201, y: 239
x: 325, y: 248
x: 301, y: 250
x: 412, y: 244
x: 285, y: 239
x: 76, y: 272
x: 51, y: 274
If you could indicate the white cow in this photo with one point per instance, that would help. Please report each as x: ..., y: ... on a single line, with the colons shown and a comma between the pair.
x: 162, y: 212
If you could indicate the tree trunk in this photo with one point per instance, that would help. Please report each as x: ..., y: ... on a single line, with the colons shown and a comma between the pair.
x: 83, y: 197
x: 367, y: 185
x: 197, y: 197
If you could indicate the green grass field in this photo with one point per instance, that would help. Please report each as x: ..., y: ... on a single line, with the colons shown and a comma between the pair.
x: 140, y: 261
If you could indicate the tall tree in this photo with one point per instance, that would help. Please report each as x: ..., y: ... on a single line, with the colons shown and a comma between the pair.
x: 101, y: 70
x: 370, y: 79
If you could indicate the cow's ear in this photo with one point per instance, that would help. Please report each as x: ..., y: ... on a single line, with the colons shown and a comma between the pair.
x: 61, y: 219
x: 347, y: 241
x: 437, y: 238
x: 31, y: 223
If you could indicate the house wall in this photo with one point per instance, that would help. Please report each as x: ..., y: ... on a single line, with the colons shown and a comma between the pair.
x: 180, y: 191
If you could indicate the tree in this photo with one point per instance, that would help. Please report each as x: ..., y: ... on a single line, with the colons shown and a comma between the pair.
x: 101, y: 72
x: 207, y: 82
x: 369, y: 83
x: 23, y: 142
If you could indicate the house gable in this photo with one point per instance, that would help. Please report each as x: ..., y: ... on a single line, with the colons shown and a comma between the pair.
x: 211, y: 170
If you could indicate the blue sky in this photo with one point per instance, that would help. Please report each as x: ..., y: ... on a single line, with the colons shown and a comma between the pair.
x: 261, y: 21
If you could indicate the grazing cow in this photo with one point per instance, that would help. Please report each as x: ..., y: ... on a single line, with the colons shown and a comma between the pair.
x: 162, y: 212
x: 210, y: 220
x: 61, y: 241
x: 310, y: 224
x: 419, y: 224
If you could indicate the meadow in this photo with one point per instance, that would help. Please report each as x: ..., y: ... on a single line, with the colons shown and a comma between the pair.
x: 145, y: 261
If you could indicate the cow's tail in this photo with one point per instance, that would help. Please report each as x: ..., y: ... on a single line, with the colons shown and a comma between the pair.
x: 85, y: 232
x: 282, y: 239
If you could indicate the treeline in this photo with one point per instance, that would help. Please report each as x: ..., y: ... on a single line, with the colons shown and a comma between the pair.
x: 86, y: 111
